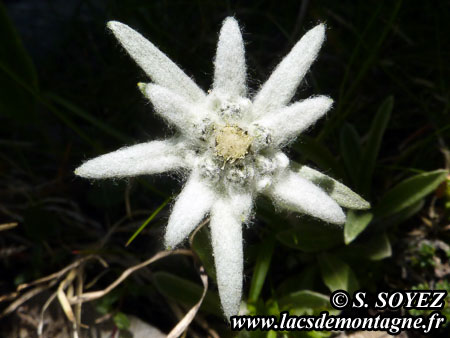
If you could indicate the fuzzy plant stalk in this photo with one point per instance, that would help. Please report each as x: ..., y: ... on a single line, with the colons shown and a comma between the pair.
x: 228, y: 146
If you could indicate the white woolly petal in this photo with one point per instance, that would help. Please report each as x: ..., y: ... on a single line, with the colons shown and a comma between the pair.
x: 298, y: 194
x: 287, y: 123
x: 282, y: 84
x: 144, y: 158
x: 227, y: 216
x: 156, y: 64
x: 173, y: 107
x: 192, y: 204
x: 229, y: 65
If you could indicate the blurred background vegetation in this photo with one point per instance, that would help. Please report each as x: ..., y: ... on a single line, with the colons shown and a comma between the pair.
x: 68, y: 93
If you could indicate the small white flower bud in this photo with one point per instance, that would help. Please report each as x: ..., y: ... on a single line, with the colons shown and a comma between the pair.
x: 281, y: 160
x: 240, y: 176
x: 263, y: 183
x: 261, y: 137
x: 265, y: 165
x: 208, y: 169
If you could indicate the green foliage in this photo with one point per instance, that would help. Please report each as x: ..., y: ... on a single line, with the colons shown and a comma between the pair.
x: 443, y: 285
x: 121, y: 320
x: 148, y: 220
x: 261, y: 268
x: 336, y: 274
x: 373, y: 248
x: 409, y: 192
x: 377, y: 248
x: 425, y: 256
x: 355, y: 224
x: 106, y: 304
x: 305, y: 302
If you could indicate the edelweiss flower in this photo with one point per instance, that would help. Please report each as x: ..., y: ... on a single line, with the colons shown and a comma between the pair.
x: 230, y: 145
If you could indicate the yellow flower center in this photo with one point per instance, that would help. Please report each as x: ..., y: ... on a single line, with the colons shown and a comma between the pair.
x: 232, y: 143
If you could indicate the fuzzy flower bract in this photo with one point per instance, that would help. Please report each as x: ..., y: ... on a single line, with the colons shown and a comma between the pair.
x: 230, y: 146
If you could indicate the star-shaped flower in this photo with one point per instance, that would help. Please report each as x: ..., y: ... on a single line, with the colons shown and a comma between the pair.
x: 230, y: 145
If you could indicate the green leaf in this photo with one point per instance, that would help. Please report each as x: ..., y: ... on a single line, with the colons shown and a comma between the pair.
x: 121, y: 320
x: 374, y: 248
x: 356, y: 222
x: 336, y: 274
x: 186, y: 292
x: 262, y: 265
x: 105, y: 304
x: 148, y: 220
x: 271, y: 334
x: 350, y: 146
x: 312, y: 150
x: 403, y: 215
x: 202, y: 247
x: 272, y: 308
x: 305, y: 299
x: 317, y: 334
x: 311, y: 236
x: 342, y: 194
x: 372, y: 147
x: 409, y: 192
x: 378, y: 248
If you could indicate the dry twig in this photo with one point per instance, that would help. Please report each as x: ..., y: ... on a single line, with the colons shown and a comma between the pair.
x: 186, y: 321
x: 7, y: 226
x: 90, y: 296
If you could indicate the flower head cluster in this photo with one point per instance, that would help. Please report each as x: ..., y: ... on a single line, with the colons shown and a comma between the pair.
x: 230, y: 145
